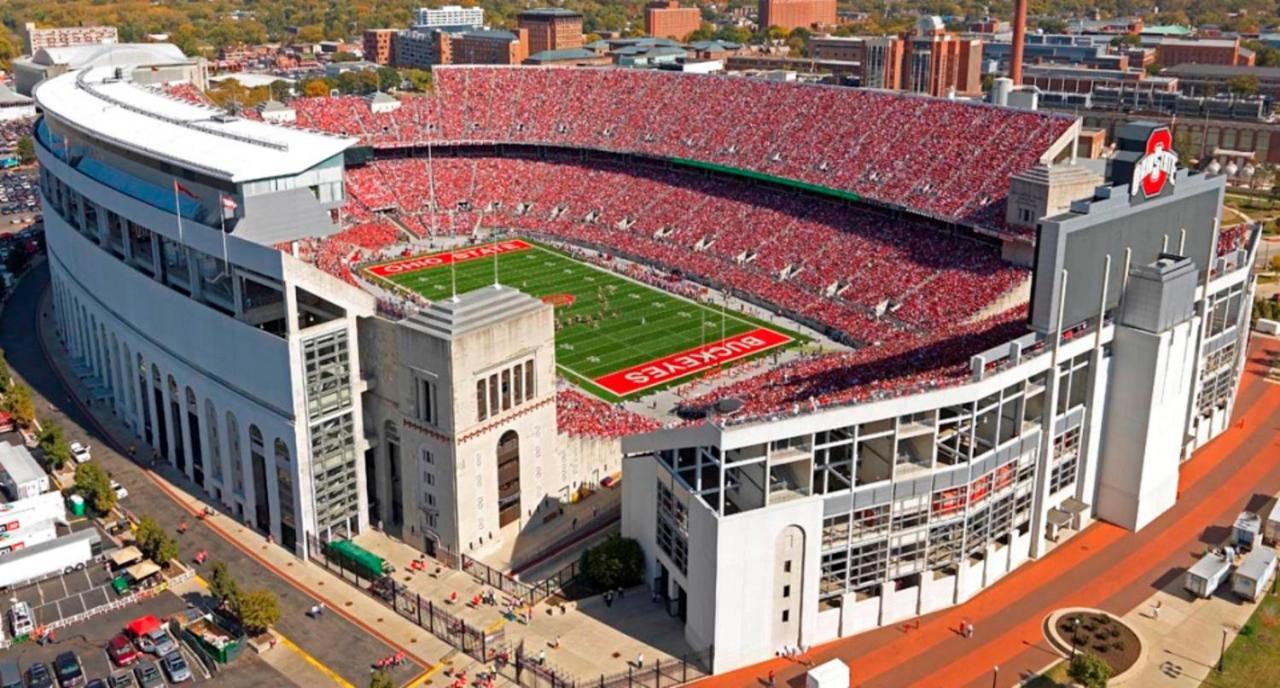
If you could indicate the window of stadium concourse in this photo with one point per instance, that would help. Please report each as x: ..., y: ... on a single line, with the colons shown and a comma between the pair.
x: 314, y: 310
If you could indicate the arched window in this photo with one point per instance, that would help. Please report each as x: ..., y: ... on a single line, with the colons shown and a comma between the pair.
x: 258, y: 459
x: 284, y: 489
x: 211, y: 436
x: 235, y: 455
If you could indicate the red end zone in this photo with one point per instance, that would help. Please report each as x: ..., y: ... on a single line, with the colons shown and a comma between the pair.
x: 653, y: 373
x: 406, y: 265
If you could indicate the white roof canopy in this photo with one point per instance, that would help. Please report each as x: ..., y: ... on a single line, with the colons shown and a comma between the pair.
x: 193, y: 136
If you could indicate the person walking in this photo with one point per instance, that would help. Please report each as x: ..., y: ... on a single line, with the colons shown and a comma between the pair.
x: 771, y: 679
x: 640, y: 660
x: 608, y: 598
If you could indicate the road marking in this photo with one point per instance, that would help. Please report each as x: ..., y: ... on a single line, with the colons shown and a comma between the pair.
x: 299, y: 651
x: 315, y: 662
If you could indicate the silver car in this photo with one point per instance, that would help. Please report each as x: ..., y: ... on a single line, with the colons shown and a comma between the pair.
x: 176, y: 667
x: 157, y: 642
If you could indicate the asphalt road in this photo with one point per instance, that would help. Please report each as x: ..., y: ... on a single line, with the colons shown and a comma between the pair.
x: 340, y: 645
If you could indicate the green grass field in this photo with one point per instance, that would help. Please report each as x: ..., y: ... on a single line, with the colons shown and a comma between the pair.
x: 612, y: 323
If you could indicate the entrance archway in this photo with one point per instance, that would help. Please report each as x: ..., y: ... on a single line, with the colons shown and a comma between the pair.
x: 508, y: 478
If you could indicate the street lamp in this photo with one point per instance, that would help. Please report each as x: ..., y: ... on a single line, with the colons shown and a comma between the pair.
x: 1075, y: 628
x: 1222, y: 655
x: 995, y: 675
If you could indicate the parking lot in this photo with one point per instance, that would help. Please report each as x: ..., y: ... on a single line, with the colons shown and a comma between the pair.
x: 66, y: 595
x: 19, y: 196
x: 89, y: 638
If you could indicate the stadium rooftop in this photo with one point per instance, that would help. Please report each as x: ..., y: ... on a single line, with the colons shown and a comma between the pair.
x: 188, y: 135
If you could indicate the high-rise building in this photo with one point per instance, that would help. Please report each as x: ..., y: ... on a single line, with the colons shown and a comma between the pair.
x: 34, y: 39
x: 487, y: 47
x: 378, y: 45
x: 667, y: 19
x: 796, y: 14
x: 421, y: 49
x: 449, y: 16
x: 551, y: 28
x: 1219, y: 51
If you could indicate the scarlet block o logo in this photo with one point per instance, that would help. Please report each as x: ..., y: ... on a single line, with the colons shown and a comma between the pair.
x: 1157, y: 167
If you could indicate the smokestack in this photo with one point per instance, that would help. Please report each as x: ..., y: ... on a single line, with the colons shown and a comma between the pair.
x: 1019, y: 38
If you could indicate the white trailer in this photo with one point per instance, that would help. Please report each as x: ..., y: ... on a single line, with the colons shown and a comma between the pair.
x: 1207, y: 574
x: 62, y: 555
x: 1251, y: 577
x: 1246, y: 531
x: 1271, y: 529
x: 833, y: 674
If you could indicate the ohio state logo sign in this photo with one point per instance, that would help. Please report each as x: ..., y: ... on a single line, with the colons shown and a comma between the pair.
x: 1157, y: 167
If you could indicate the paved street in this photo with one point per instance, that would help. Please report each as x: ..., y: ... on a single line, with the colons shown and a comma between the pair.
x: 336, y: 643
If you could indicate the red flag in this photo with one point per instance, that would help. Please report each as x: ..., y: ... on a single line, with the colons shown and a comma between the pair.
x: 228, y: 203
x: 177, y: 186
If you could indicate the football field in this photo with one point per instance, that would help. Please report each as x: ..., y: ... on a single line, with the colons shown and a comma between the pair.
x: 616, y: 338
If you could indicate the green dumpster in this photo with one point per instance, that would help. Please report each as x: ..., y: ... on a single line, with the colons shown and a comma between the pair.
x: 76, y: 503
x: 353, y: 557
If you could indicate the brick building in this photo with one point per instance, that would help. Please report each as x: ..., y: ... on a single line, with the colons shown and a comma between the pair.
x: 929, y: 61
x: 1216, y: 51
x: 34, y: 39
x: 667, y: 19
x: 487, y: 47
x: 551, y: 28
x: 796, y: 14
x: 378, y: 45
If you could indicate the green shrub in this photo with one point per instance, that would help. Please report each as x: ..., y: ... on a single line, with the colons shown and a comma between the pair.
x: 617, y: 562
x: 1089, y: 671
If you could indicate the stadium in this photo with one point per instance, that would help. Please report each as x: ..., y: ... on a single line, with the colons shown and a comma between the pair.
x: 855, y: 355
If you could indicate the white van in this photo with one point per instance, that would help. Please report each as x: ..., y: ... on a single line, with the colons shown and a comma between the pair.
x: 20, y: 619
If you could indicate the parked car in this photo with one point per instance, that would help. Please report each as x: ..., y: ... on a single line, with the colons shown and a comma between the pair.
x: 96, y: 683
x: 80, y: 452
x: 66, y: 666
x: 20, y: 619
x: 120, y: 490
x: 176, y: 667
x: 158, y: 642
x: 121, y: 651
x: 38, y: 676
x: 148, y: 675
x: 122, y: 679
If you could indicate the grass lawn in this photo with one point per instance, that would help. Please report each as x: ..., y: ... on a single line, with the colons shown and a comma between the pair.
x: 1253, y: 658
x: 605, y: 323
x: 1055, y: 677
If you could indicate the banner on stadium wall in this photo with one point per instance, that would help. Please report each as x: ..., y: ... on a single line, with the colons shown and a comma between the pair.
x: 400, y: 267
x: 677, y: 365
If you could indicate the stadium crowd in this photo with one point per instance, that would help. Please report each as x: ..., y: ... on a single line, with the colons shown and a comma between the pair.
x: 914, y: 302
x: 941, y: 158
x: 582, y: 416
x: 910, y: 298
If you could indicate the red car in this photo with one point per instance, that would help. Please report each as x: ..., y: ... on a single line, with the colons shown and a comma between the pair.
x: 121, y: 651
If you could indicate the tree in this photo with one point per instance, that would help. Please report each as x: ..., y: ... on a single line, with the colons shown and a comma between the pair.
x: 388, y: 79
x: 1089, y: 671
x: 1243, y: 85
x: 279, y: 89
x: 94, y: 485
x: 1053, y: 25
x: 616, y: 562
x: 1153, y: 69
x: 54, y: 445
x: 313, y: 88
x: 419, y: 79
x: 257, y: 610
x: 19, y: 404
x: 5, y: 377
x: 222, y: 586
x: 313, y: 33
x: 26, y: 150
x: 381, y: 679
x: 154, y: 542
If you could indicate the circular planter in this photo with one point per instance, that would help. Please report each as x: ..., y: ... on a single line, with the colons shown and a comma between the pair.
x: 1100, y: 634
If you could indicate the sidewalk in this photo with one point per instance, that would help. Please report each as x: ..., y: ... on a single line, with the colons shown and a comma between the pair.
x: 594, y: 638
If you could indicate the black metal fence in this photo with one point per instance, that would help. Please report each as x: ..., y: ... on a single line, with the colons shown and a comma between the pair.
x: 472, y: 641
x: 526, y: 669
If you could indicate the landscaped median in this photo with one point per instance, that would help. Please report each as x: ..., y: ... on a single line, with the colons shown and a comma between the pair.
x: 1253, y: 659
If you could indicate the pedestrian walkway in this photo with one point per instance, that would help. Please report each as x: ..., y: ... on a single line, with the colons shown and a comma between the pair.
x: 594, y: 637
